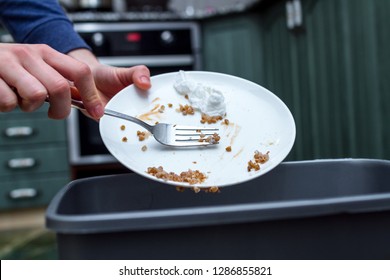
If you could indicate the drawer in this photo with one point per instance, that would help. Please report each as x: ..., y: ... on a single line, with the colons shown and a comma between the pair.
x: 29, y: 161
x: 31, y: 131
x: 31, y: 192
x: 17, y: 113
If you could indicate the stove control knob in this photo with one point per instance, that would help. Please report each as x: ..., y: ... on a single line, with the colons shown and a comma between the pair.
x: 98, y: 39
x: 167, y: 37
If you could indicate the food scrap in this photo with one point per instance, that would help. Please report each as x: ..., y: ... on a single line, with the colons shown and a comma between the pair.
x: 186, y: 110
x: 210, y: 119
x: 191, y: 177
x: 258, y: 158
x: 253, y: 165
x: 198, y: 190
x: 206, y: 190
x: 162, y: 109
x: 214, y: 189
x: 142, y: 135
x: 213, y: 139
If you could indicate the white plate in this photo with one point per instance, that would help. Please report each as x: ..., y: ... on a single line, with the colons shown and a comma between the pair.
x: 259, y: 120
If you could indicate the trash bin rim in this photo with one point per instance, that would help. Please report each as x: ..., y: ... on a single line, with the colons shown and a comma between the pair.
x: 214, y: 215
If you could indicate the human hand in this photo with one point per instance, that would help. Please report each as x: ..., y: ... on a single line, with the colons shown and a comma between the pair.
x: 31, y: 73
x: 110, y: 80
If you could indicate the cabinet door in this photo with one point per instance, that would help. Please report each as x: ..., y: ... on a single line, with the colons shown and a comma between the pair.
x: 14, y: 162
x: 31, y: 191
x: 31, y: 131
x: 33, y: 158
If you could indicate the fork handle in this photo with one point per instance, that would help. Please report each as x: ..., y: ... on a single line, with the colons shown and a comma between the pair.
x: 128, y: 118
x: 77, y: 104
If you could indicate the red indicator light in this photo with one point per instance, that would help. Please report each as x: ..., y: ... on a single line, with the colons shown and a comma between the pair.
x: 133, y: 37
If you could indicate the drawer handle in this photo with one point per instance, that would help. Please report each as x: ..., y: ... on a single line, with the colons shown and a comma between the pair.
x: 19, y: 131
x: 20, y: 163
x: 23, y: 193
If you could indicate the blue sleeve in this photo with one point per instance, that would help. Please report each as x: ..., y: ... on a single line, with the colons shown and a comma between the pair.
x: 40, y: 22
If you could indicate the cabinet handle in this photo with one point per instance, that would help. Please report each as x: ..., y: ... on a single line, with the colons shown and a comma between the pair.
x: 20, y: 163
x: 23, y: 193
x: 19, y: 131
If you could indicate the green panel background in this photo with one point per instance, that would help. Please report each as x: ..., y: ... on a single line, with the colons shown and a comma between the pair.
x: 333, y: 73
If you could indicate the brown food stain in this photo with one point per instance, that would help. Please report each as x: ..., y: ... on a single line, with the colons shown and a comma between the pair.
x: 237, y: 130
x: 238, y: 153
x: 153, y: 112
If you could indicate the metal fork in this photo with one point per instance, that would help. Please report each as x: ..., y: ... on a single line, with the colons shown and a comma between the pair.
x: 172, y: 134
x: 167, y: 134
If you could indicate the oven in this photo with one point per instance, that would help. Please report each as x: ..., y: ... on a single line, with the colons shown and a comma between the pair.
x: 161, y: 46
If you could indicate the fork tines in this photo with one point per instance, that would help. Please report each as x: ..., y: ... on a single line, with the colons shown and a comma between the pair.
x: 190, y: 133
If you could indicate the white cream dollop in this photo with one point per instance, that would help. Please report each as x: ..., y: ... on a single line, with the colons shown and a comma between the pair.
x: 182, y: 84
x: 208, y: 100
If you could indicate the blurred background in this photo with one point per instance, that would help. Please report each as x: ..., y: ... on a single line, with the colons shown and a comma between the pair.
x: 328, y: 60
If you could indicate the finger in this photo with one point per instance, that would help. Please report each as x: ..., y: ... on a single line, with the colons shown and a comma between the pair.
x: 8, y: 99
x: 80, y: 74
x: 60, y: 104
x: 113, y: 79
x: 58, y: 87
x: 141, y: 77
x: 86, y: 87
x: 137, y: 75
x: 32, y: 93
x: 30, y: 90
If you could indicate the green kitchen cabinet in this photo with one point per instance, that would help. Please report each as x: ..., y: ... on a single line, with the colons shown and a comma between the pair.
x: 36, y: 190
x: 332, y: 71
x: 232, y: 45
x: 33, y: 159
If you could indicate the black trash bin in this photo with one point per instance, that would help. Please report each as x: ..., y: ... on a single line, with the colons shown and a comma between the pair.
x: 321, y: 209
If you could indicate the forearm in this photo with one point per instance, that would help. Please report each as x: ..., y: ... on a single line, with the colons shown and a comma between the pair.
x: 43, y: 22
